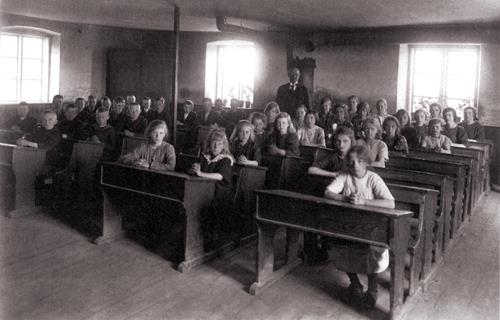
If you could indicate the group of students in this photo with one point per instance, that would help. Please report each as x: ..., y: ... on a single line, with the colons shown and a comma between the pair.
x: 358, y: 139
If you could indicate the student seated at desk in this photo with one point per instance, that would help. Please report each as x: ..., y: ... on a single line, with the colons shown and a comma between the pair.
x: 325, y: 113
x: 360, y: 187
x: 133, y: 124
x: 271, y: 111
x: 377, y: 148
x: 392, y: 137
x: 420, y: 126
x: 45, y: 137
x: 216, y: 163
x: 187, y: 117
x: 362, y: 112
x: 406, y: 130
x: 72, y: 128
x: 22, y: 121
x: 300, y: 117
x: 333, y: 165
x: 435, y: 141
x: 156, y: 154
x: 243, y: 146
x: 102, y: 132
x: 473, y: 128
x: 283, y: 140
x: 116, y: 114
x: 258, y: 120
x: 452, y: 130
x: 159, y: 112
x: 311, y: 134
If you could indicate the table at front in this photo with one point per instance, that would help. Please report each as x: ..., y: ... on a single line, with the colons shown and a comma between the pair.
x: 187, y: 193
x: 299, y: 212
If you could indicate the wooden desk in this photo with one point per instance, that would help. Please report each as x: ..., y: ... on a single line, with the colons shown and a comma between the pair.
x: 26, y: 164
x: 487, y: 147
x: 375, y: 226
x: 423, y: 202
x: 187, y: 195
x: 10, y: 136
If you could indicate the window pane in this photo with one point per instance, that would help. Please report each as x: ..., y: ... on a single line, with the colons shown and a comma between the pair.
x: 32, y: 47
x: 32, y: 69
x: 462, y: 62
x: 428, y: 61
x: 9, y: 90
x: 8, y: 45
x: 8, y: 67
x: 460, y: 87
x: 31, y: 90
x: 426, y: 85
x: 459, y: 105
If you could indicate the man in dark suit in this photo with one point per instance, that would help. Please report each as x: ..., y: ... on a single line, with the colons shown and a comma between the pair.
x: 292, y: 95
x: 187, y: 117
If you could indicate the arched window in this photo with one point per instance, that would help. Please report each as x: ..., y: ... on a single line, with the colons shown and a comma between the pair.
x: 29, y: 60
x: 230, y: 68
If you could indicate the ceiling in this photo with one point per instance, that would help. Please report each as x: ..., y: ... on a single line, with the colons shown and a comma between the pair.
x: 199, y: 15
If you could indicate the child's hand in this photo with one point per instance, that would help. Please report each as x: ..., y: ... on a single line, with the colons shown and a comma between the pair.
x: 242, y: 159
x: 128, y: 133
x: 141, y: 163
x: 95, y: 139
x: 357, y: 199
x: 195, y: 169
x: 22, y: 142
x: 15, y: 128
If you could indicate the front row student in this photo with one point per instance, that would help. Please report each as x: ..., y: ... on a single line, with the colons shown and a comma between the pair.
x: 420, y: 117
x: 360, y: 187
x: 156, y: 154
x: 452, y: 130
x: 435, y: 141
x: 282, y: 140
x: 216, y: 163
x: 258, y: 121
x: 473, y: 128
x: 243, y: 146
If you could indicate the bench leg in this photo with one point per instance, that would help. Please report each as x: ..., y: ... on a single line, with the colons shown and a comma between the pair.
x: 111, y: 223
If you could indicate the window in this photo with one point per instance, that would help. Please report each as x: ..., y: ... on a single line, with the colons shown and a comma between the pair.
x: 230, y: 68
x: 24, y: 61
x: 444, y: 74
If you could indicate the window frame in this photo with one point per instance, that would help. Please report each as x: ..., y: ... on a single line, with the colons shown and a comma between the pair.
x: 444, y: 49
x: 50, y: 60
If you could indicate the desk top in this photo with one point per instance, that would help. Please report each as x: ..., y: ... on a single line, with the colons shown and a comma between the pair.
x: 391, y: 213
x: 181, y: 175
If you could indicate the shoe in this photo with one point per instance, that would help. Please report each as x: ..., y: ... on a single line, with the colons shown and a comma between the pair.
x: 369, y: 300
x: 352, y: 295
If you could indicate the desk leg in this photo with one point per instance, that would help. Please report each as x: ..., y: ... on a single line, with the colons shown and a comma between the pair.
x: 399, y: 245
x: 265, y: 257
x: 111, y: 222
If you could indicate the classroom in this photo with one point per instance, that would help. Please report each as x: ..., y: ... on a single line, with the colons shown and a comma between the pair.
x: 237, y: 159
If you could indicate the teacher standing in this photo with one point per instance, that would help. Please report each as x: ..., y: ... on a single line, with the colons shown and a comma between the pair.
x: 292, y: 95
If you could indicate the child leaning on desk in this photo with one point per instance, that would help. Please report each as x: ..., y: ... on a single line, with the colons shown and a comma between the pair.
x: 216, y: 163
x: 360, y: 187
x: 156, y: 154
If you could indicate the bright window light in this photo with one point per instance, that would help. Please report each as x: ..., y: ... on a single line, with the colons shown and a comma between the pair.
x: 230, y: 70
x: 444, y: 74
x: 24, y: 61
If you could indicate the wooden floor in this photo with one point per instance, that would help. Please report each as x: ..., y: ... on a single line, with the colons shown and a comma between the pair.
x: 50, y: 271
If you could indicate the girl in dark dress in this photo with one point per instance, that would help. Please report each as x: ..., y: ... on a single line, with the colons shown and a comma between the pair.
x: 391, y: 136
x: 474, y: 129
x: 406, y: 129
x: 420, y: 126
x: 243, y: 146
x: 216, y: 163
x: 283, y: 140
x: 451, y: 129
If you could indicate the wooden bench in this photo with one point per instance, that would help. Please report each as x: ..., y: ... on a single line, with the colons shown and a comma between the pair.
x: 478, y: 156
x: 297, y: 212
x: 454, y: 170
x: 10, y: 136
x: 177, y: 195
x: 471, y: 168
x: 487, y: 147
x: 423, y: 202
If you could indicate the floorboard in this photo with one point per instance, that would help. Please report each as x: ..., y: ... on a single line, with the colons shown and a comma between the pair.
x: 50, y: 271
